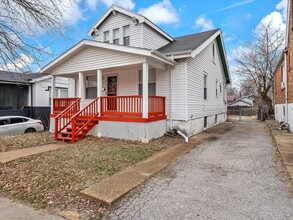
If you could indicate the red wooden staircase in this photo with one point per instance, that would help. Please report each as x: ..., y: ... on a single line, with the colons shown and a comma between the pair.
x: 73, y: 124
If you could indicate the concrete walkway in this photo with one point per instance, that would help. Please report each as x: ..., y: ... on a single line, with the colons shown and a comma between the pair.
x: 232, y: 175
x: 13, y: 211
x: 6, y: 157
x: 284, y: 142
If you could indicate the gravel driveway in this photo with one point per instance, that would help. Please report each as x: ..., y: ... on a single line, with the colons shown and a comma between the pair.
x: 232, y: 175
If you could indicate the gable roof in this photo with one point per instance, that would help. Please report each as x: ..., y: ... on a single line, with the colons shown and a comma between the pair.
x: 187, y: 43
x: 135, y: 16
x: 116, y: 47
x: 14, y: 77
x: 192, y: 45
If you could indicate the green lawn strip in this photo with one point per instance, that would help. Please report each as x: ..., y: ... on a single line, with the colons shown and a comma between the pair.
x: 25, y: 140
x: 53, y: 180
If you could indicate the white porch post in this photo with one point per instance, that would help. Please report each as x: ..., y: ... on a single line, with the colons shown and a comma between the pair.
x: 81, y: 87
x: 53, y: 85
x: 145, y: 90
x: 99, y: 87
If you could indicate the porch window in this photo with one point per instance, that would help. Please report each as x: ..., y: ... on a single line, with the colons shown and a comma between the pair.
x: 152, y: 82
x: 91, y: 87
x: 205, y: 87
x: 106, y: 36
x: 116, y: 36
x: 126, y: 35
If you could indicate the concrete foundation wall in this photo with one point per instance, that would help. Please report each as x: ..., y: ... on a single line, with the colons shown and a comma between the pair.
x: 131, y: 130
x: 195, y: 126
x: 127, y: 130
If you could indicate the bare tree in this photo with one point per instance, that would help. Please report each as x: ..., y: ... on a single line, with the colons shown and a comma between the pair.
x: 247, y: 87
x: 257, y: 60
x: 21, y: 21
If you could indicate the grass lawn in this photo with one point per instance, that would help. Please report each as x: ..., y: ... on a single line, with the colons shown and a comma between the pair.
x: 25, y: 140
x: 53, y: 180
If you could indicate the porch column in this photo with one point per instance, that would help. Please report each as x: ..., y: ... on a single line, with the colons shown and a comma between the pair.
x: 145, y: 90
x: 99, y: 88
x: 81, y: 87
x: 53, y: 85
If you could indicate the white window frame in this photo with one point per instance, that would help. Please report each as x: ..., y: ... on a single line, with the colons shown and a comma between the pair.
x: 116, y: 38
x: 126, y: 35
x: 106, y: 36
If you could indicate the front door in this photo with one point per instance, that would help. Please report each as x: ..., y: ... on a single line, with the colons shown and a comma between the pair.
x: 112, y: 91
x: 112, y: 85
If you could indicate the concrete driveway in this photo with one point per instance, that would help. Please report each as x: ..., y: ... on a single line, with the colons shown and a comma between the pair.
x: 232, y: 175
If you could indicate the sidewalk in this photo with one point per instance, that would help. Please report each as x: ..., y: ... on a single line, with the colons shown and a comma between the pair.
x: 13, y: 211
x: 6, y: 157
x: 284, y: 142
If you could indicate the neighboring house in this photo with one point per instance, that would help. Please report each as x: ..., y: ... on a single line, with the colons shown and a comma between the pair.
x: 136, y: 82
x: 242, y: 102
x: 231, y: 98
x: 283, y: 78
x: 28, y: 94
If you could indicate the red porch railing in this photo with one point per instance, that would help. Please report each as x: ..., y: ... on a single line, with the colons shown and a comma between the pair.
x: 63, y: 119
x: 123, y: 108
x: 84, y: 120
x: 60, y: 104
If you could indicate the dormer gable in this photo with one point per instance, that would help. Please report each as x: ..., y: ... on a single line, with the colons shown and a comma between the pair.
x: 118, y: 23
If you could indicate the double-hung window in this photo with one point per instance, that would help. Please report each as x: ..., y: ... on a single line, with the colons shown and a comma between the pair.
x: 91, y: 87
x: 205, y: 95
x: 106, y: 36
x: 126, y: 35
x: 116, y: 36
x: 152, y: 82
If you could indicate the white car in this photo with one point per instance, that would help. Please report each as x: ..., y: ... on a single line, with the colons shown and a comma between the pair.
x: 14, y: 125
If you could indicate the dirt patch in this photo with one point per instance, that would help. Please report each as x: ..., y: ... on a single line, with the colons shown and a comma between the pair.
x: 53, y: 180
x: 220, y: 129
x: 10, y: 143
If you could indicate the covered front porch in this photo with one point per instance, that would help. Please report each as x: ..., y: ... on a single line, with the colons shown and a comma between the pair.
x: 110, y: 86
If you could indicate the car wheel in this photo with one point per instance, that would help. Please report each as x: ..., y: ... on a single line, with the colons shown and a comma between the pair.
x: 30, y: 130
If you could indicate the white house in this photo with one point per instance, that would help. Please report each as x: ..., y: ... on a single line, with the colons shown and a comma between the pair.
x: 28, y: 94
x: 134, y: 81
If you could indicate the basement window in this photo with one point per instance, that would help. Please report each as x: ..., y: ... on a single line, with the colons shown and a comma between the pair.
x: 205, y: 122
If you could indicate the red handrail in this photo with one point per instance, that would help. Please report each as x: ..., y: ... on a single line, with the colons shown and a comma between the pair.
x: 85, y: 116
x: 121, y: 105
x: 63, y: 119
x: 60, y: 104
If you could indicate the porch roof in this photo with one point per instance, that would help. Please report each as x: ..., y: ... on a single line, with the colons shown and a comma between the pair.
x: 119, y: 48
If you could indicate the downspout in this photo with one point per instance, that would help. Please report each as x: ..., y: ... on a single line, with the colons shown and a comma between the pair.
x: 171, y: 108
x: 286, y: 85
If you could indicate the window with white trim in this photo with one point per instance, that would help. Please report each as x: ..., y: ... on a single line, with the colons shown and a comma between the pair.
x: 216, y: 88
x: 106, y: 36
x: 152, y: 82
x: 126, y: 35
x: 91, y: 87
x: 116, y: 36
x: 205, y: 95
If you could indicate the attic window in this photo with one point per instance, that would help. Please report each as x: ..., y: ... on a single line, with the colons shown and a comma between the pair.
x: 106, y: 36
x: 116, y: 36
x: 126, y: 35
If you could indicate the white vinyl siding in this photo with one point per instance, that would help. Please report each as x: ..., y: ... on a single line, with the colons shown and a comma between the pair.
x: 197, y: 67
x: 119, y: 21
x: 152, y: 39
x: 163, y: 87
x: 179, y: 91
x: 92, y: 58
x: 128, y: 82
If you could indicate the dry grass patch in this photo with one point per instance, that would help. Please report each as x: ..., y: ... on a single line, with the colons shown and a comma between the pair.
x: 53, y: 180
x: 10, y: 143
